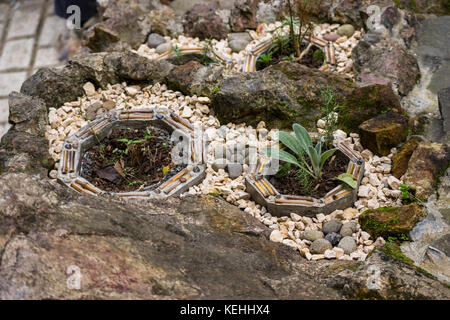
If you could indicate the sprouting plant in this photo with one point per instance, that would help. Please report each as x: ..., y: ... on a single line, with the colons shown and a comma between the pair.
x: 265, y: 57
x: 407, y: 196
x: 289, y: 58
x: 134, y: 182
x: 301, y: 145
x: 329, y: 111
x: 215, y: 89
x: 348, y: 179
x: 128, y: 141
x: 148, y: 134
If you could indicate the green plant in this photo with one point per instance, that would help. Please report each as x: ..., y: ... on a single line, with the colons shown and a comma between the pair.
x: 407, y: 196
x: 148, y: 134
x: 348, y: 179
x: 330, y: 109
x: 318, y: 55
x: 301, y: 145
x: 215, y: 89
x: 265, y: 57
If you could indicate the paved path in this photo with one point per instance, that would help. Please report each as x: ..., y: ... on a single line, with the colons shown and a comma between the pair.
x: 29, y: 34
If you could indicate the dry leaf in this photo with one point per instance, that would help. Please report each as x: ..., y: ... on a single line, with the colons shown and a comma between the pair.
x: 118, y: 168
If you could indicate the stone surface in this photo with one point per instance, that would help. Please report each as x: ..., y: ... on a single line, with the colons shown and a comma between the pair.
x: 234, y: 170
x: 426, y: 165
x: 387, y: 60
x: 332, y: 226
x: 391, y: 221
x: 348, y: 244
x: 154, y: 40
x: 28, y: 114
x: 333, y: 238
x: 444, y: 109
x: 365, y: 103
x: 401, y: 159
x: 319, y: 246
x: 203, y: 21
x: 348, y: 229
x: 311, y: 235
x: 384, y: 132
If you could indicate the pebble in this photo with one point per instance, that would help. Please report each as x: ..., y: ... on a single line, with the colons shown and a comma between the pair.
x: 312, y: 235
x: 333, y: 238
x: 348, y: 244
x: 332, y: 226
x: 320, y: 246
x: 276, y: 236
x: 330, y: 254
x: 89, y: 89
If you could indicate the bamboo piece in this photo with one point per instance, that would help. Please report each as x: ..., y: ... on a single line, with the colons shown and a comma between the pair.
x: 267, y: 185
x: 182, y: 121
x: 133, y: 194
x: 261, y: 167
x: 290, y: 197
x: 135, y: 117
x: 286, y: 201
x: 357, y: 171
x: 77, y: 187
x: 261, y: 188
x: 327, y: 54
x: 174, y: 178
x: 173, y: 186
x: 88, y: 186
x: 332, y: 54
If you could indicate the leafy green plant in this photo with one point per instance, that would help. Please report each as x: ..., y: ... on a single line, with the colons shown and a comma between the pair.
x: 265, y: 57
x: 301, y: 145
x: 407, y: 196
x: 348, y: 179
x: 215, y: 89
x: 329, y: 112
x: 148, y: 134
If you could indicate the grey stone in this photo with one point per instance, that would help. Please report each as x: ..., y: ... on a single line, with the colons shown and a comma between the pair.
x: 444, y: 108
x: 163, y: 47
x: 311, y: 235
x: 334, y: 238
x: 346, y: 30
x: 234, y: 170
x: 219, y: 164
x: 319, y: 246
x: 348, y: 244
x: 244, y: 36
x: 222, y: 131
x: 348, y: 229
x: 91, y: 111
x: 154, y: 40
x: 332, y: 226
x: 237, y: 45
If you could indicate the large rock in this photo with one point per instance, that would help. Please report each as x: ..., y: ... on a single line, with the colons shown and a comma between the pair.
x: 427, y: 163
x: 391, y: 221
x: 401, y: 158
x: 383, y: 132
x: 387, y: 60
x: 279, y: 95
x: 444, y: 109
x: 365, y: 103
x: 28, y: 114
x: 123, y: 25
x: 203, y: 21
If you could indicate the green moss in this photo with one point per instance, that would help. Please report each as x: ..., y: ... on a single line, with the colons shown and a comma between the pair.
x: 394, y: 251
x: 215, y: 89
x: 318, y: 55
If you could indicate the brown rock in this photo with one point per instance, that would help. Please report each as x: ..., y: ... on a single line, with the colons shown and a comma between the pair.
x: 383, y: 132
x: 203, y: 21
x: 109, y: 104
x: 390, y: 221
x: 426, y: 164
x: 401, y: 158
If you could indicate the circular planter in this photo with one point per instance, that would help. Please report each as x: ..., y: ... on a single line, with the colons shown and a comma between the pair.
x: 265, y: 194
x: 193, y: 151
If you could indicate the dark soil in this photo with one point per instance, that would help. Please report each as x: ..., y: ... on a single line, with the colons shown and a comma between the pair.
x: 290, y: 185
x: 313, y: 59
x: 129, y: 160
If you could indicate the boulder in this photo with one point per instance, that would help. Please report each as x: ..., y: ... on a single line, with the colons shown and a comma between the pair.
x: 444, y: 109
x: 427, y: 163
x: 319, y: 246
x: 166, y: 22
x: 278, y: 95
x: 203, y: 21
x: 243, y: 15
x: 391, y: 221
x: 365, y: 103
x: 386, y: 60
x: 401, y: 158
x: 383, y: 132
x: 28, y: 114
x: 123, y: 25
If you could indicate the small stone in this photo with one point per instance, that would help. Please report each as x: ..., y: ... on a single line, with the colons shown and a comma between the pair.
x: 237, y: 45
x: 109, y: 104
x: 331, y: 36
x: 316, y: 257
x: 334, y: 238
x: 311, y: 235
x: 339, y: 252
x: 321, y: 123
x: 89, y: 89
x: 154, y: 40
x: 234, y: 170
x: 348, y: 244
x: 295, y: 217
x: 187, y: 112
x: 163, y: 47
x: 304, y: 251
x: 320, y: 217
x: 363, y: 191
x: 330, y: 254
x: 348, y: 229
x: 132, y: 90
x: 373, y: 180
x: 394, y: 183
x: 53, y: 174
x: 346, y: 30
x: 349, y: 213
x: 332, y: 226
x: 320, y: 246
x: 308, y: 256
x: 276, y: 236
x: 219, y: 164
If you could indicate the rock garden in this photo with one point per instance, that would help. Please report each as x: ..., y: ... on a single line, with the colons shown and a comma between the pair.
x: 275, y: 139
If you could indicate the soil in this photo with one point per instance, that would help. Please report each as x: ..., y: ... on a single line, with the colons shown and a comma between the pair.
x: 130, y: 160
x: 334, y: 166
x: 308, y: 60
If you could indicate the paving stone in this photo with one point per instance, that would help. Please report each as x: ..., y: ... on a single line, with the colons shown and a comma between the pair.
x: 16, y: 54
x: 11, y: 81
x: 3, y: 11
x: 4, y: 111
x: 24, y: 20
x: 53, y: 27
x: 46, y: 57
